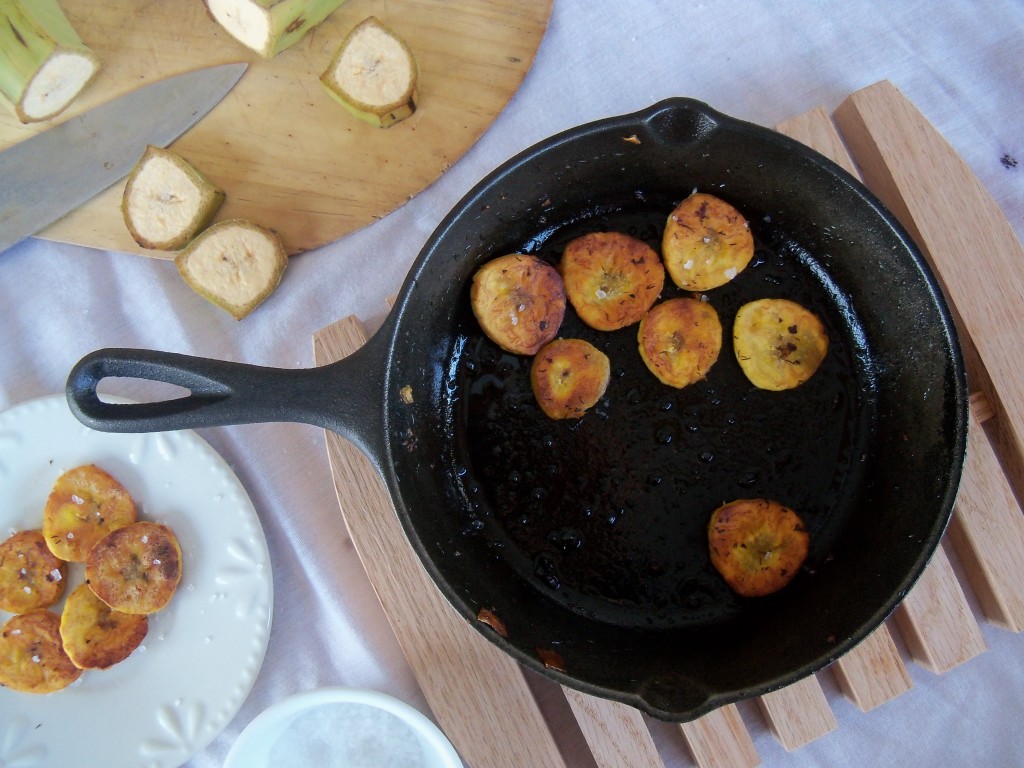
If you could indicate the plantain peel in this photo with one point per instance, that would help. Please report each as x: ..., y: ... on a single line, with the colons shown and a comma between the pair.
x: 706, y: 243
x: 269, y: 27
x: 568, y: 377
x: 519, y: 301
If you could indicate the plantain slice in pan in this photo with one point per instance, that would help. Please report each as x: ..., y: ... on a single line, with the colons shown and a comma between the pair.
x: 32, y: 657
x: 95, y: 636
x: 31, y: 576
x: 86, y: 504
x: 135, y: 569
x: 680, y: 340
x: 611, y: 279
x: 757, y: 545
x: 519, y: 301
x: 778, y: 343
x: 568, y: 377
x: 706, y: 243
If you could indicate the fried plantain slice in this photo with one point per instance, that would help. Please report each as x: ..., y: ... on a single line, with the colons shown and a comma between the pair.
x: 569, y: 376
x: 135, y: 569
x: 95, y: 636
x: 86, y: 504
x: 519, y: 302
x: 680, y: 340
x: 611, y: 279
x: 31, y: 576
x: 757, y: 545
x: 706, y: 243
x: 778, y: 343
x: 32, y: 658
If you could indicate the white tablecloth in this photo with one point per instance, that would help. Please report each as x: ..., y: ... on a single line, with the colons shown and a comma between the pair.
x: 961, y: 63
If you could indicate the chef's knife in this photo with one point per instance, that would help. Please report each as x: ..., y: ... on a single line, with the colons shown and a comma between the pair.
x: 54, y: 172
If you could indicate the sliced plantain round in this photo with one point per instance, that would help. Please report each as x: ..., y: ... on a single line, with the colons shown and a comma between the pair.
x: 86, y: 504
x: 611, y: 279
x: 778, y: 343
x: 95, y: 636
x: 135, y: 569
x: 680, y: 340
x: 31, y: 576
x: 706, y: 243
x: 32, y: 657
x: 519, y: 301
x: 757, y: 545
x: 568, y: 377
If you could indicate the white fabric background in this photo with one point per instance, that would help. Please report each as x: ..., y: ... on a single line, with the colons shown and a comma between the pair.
x: 961, y: 63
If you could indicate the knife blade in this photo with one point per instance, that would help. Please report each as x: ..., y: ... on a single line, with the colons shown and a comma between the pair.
x: 54, y: 172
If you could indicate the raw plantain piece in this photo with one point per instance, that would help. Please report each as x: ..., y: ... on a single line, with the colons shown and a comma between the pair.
x: 44, y: 64
x: 166, y: 201
x: 569, y: 376
x: 86, y: 504
x: 270, y: 26
x: 757, y: 545
x: 778, y: 343
x: 519, y: 302
x: 94, y: 635
x: 31, y: 576
x: 680, y: 340
x: 611, y: 279
x: 32, y: 658
x: 234, y: 264
x: 135, y: 569
x: 706, y: 243
x: 373, y: 75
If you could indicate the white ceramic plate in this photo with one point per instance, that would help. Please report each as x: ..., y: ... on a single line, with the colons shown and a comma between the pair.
x: 176, y: 692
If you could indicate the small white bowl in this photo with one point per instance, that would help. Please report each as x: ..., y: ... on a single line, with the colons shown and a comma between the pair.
x: 336, y: 727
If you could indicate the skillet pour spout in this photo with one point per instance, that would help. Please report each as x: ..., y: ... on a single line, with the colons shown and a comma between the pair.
x: 586, y: 540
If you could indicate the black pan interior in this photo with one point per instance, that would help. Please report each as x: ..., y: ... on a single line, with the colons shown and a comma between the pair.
x: 587, y: 538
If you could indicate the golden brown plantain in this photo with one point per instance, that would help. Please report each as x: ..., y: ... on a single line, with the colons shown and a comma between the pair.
x: 706, y: 243
x: 757, y: 545
x: 31, y: 576
x: 135, y: 569
x: 86, y: 504
x: 569, y: 376
x: 611, y: 279
x: 519, y: 301
x: 778, y: 343
x: 680, y: 340
x: 32, y: 658
x: 95, y: 636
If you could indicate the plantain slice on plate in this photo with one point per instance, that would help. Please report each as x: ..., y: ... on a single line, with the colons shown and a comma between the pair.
x: 135, y: 569
x: 86, y: 504
x: 32, y: 657
x: 611, y: 279
x: 757, y: 545
x: 778, y: 343
x: 94, y: 635
x: 568, y: 377
x: 31, y: 576
x: 680, y: 339
x: 706, y: 243
x: 519, y: 301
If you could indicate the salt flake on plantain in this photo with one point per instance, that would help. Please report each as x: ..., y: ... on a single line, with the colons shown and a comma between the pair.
x: 270, y: 26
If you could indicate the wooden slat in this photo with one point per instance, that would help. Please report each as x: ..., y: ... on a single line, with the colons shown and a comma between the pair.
x: 873, y: 672
x: 720, y: 740
x: 798, y: 713
x: 478, y: 694
x: 617, y: 735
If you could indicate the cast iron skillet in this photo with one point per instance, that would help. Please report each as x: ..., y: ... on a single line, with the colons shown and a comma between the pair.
x: 587, y: 539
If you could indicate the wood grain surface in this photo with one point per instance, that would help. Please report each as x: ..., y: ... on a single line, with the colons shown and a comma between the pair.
x: 288, y: 156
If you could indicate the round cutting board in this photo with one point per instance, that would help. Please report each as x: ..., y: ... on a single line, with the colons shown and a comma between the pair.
x: 287, y: 155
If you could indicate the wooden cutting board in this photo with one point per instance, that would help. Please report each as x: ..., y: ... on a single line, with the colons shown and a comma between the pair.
x: 288, y: 156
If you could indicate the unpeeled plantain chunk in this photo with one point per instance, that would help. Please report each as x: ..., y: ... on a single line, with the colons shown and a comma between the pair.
x: 611, y: 279
x: 680, y: 340
x: 568, y: 377
x: 94, y: 635
x: 757, y: 545
x: 778, y: 343
x: 86, y: 504
x: 31, y: 576
x: 32, y: 657
x: 135, y: 569
x: 706, y: 243
x: 519, y: 301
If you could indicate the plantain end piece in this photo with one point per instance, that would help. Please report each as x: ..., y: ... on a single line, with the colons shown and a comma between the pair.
x: 568, y: 377
x: 270, y: 26
x: 680, y: 339
x: 778, y: 343
x: 32, y: 657
x: 706, y: 243
x: 234, y: 264
x: 373, y: 75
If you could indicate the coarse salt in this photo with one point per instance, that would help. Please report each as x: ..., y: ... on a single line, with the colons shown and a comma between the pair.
x: 145, y: 539
x: 55, y: 574
x: 730, y: 272
x: 77, y: 499
x: 71, y: 535
x: 35, y: 658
